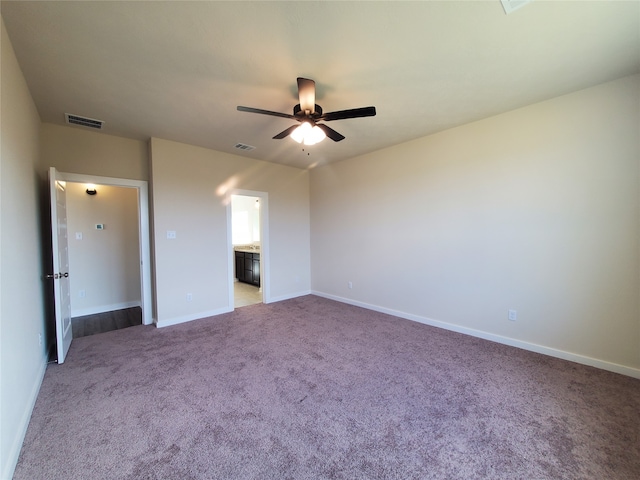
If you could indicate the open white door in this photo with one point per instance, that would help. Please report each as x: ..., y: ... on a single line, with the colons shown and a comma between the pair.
x: 60, y: 275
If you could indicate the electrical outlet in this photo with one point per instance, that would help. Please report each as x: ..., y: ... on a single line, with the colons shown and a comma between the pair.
x: 350, y: 285
x: 171, y: 234
x: 82, y: 293
x: 513, y: 315
x: 40, y: 339
x: 189, y: 297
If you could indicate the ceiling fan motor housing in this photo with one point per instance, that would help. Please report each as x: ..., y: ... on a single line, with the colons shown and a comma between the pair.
x: 297, y: 112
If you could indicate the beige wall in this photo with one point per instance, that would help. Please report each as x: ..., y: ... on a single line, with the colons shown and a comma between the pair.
x: 105, y: 264
x: 536, y: 210
x: 189, y: 187
x: 22, y: 319
x: 78, y: 150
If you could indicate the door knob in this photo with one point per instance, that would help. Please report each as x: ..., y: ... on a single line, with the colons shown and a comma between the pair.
x: 57, y: 276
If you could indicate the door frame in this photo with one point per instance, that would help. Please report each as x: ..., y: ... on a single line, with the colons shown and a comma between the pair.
x: 144, y: 237
x: 265, y: 277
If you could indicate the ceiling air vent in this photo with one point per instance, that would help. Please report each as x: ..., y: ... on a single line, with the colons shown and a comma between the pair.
x: 244, y: 146
x: 83, y: 121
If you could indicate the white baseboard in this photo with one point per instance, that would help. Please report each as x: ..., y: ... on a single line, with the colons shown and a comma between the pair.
x: 81, y: 312
x: 12, y: 458
x: 188, y: 318
x: 287, y: 297
x: 211, y: 313
x: 573, y: 357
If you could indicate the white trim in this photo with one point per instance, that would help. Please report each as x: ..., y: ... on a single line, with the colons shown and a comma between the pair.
x: 81, y: 312
x: 512, y: 342
x: 195, y: 316
x: 14, y: 452
x: 212, y: 313
x: 143, y: 225
x: 289, y: 296
x: 230, y: 254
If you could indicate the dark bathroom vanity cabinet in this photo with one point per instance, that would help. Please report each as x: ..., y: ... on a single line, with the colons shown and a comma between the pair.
x: 248, y: 267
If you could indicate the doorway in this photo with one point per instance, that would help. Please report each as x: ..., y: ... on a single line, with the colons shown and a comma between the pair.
x: 248, y: 248
x: 104, y: 257
x: 138, y: 263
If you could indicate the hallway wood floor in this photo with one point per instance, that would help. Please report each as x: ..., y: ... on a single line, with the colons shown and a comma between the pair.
x: 244, y: 294
x: 106, y: 322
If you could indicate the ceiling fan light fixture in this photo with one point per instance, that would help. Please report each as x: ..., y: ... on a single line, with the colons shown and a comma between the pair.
x: 316, y: 136
x: 307, y: 134
x: 301, y: 132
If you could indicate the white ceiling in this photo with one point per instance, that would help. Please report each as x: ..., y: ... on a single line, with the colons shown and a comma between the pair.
x: 177, y: 70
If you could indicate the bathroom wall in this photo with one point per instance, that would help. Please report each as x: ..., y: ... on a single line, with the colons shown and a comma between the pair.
x: 245, y: 221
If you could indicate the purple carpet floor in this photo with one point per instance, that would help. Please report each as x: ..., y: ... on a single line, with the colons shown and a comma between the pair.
x: 313, y: 389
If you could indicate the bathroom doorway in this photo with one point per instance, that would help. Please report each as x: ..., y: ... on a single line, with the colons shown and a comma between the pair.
x: 247, y: 252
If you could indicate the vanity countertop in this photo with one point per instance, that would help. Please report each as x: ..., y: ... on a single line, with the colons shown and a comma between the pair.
x: 247, y: 248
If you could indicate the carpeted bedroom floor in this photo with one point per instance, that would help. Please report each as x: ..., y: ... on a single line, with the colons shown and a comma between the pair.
x: 309, y: 388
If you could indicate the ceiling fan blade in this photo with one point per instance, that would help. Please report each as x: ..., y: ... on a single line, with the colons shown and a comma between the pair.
x: 330, y: 132
x: 265, y: 112
x: 285, y: 133
x: 352, y: 113
x: 307, y: 94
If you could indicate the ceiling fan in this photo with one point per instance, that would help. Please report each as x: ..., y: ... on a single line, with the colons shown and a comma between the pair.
x: 308, y: 113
